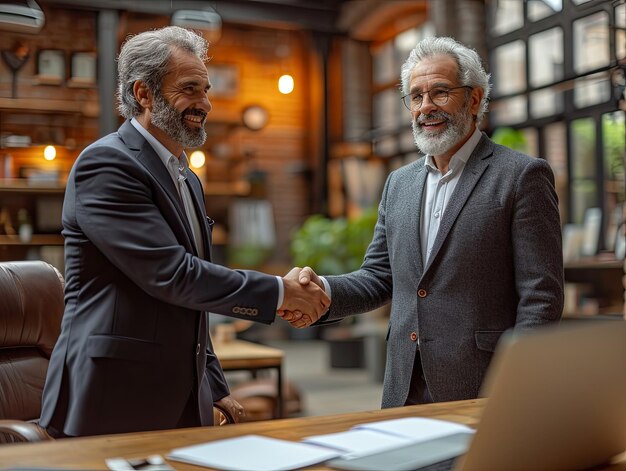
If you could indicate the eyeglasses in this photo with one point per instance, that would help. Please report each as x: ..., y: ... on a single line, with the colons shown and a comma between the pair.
x: 438, y: 96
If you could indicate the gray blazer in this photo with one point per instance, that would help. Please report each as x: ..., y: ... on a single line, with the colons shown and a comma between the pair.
x: 134, y: 343
x: 496, y: 264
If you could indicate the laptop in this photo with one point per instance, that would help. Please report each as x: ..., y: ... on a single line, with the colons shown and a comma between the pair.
x: 557, y: 400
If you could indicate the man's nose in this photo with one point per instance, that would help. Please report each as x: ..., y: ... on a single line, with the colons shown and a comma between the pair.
x: 205, y: 104
x: 427, y: 105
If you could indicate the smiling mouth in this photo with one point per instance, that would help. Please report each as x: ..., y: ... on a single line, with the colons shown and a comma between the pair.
x: 195, y: 117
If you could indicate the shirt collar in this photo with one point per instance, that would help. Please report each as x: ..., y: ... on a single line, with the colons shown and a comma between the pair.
x: 175, y: 165
x: 460, y: 157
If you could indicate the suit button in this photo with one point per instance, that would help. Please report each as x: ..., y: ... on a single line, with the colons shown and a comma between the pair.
x: 413, y: 336
x: 422, y: 293
x: 198, y: 349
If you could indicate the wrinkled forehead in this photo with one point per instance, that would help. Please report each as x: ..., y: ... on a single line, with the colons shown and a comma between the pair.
x: 439, y: 69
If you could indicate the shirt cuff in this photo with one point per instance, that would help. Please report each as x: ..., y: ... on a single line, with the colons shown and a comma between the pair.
x: 327, y: 289
x: 281, y: 292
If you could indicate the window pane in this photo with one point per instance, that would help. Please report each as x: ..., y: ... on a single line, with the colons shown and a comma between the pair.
x: 386, y: 146
x: 583, y: 167
x: 546, y: 57
x: 506, y: 16
x: 407, y: 142
x: 620, y: 33
x: 613, y: 144
x: 538, y: 9
x: 510, y: 68
x: 509, y: 111
x: 546, y: 102
x: 556, y: 155
x: 384, y: 65
x: 592, y: 90
x: 591, y: 42
x: 388, y: 109
x: 532, y: 144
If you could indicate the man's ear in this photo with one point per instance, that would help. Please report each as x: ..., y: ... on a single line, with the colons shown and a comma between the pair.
x: 142, y: 93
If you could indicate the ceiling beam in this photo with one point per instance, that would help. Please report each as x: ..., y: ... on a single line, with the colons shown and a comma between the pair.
x: 301, y: 14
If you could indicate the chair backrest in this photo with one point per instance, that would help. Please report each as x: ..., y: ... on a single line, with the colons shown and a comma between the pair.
x: 31, y: 308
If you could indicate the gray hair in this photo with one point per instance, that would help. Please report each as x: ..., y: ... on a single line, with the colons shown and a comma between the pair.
x: 145, y: 57
x: 471, y: 71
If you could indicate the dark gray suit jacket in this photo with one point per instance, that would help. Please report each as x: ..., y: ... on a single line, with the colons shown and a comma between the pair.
x: 496, y: 264
x: 134, y: 341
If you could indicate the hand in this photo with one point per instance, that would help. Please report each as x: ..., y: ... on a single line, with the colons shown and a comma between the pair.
x: 235, y: 409
x: 297, y: 318
x: 304, y: 303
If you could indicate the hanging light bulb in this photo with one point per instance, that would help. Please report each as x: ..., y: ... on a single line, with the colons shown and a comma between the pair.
x: 285, y: 84
x: 197, y: 159
x: 49, y: 153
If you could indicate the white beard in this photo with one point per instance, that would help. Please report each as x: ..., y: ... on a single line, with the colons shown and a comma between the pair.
x: 439, y: 142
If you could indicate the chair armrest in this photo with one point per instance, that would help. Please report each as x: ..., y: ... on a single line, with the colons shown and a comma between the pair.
x: 221, y: 416
x: 16, y: 431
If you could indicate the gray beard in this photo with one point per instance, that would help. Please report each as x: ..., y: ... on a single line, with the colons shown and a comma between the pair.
x: 459, y: 125
x: 170, y: 121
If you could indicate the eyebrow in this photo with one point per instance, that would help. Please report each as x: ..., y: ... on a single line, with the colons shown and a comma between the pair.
x: 436, y: 85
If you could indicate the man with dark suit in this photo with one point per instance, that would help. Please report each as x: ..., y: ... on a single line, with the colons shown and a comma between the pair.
x: 467, y: 243
x: 134, y: 351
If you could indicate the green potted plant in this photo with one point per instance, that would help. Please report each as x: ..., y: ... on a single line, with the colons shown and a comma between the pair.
x: 333, y: 247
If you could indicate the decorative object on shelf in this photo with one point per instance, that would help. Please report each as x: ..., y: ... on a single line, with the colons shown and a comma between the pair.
x: 83, y: 69
x: 592, y: 226
x: 224, y: 80
x: 15, y: 60
x: 6, y: 227
x: 50, y: 66
x: 25, y: 227
x: 255, y: 117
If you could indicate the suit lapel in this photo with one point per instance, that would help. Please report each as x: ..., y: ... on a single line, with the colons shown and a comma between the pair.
x: 415, y: 214
x: 151, y: 161
x: 474, y: 168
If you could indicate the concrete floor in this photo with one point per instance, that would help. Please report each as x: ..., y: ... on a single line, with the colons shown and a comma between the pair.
x: 324, y: 390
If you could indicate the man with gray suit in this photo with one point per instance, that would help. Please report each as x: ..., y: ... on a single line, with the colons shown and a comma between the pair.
x: 134, y: 351
x: 467, y: 243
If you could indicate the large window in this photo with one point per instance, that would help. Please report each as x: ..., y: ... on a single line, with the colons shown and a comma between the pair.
x: 554, y: 65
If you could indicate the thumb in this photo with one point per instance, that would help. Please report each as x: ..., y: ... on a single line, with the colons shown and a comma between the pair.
x: 305, y: 276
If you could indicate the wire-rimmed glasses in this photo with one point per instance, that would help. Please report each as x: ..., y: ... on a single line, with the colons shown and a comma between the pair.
x: 439, y: 96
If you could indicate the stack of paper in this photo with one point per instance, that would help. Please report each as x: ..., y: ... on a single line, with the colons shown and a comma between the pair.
x: 365, y: 439
x: 257, y: 453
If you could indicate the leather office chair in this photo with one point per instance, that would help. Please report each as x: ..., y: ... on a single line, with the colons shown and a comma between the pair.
x: 31, y: 307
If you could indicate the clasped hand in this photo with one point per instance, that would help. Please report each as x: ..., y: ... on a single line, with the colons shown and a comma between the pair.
x: 305, y: 300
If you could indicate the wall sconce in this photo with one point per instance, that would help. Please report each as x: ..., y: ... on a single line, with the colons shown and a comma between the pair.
x: 285, y: 84
x: 49, y: 153
x: 255, y: 117
x: 197, y: 159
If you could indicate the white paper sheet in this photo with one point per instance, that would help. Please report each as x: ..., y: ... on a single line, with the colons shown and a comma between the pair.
x: 355, y: 443
x: 253, y: 453
x: 416, y: 428
x: 365, y: 439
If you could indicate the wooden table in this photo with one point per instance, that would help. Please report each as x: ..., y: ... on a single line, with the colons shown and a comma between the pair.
x: 90, y: 452
x: 237, y: 355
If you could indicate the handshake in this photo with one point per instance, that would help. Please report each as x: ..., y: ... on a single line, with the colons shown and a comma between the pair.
x: 305, y: 300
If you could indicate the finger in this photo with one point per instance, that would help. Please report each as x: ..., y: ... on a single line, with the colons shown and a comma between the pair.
x: 305, y: 276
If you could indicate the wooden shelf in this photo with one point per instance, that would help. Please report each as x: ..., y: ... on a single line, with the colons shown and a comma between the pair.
x: 85, y: 108
x: 36, y: 240
x: 24, y: 186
